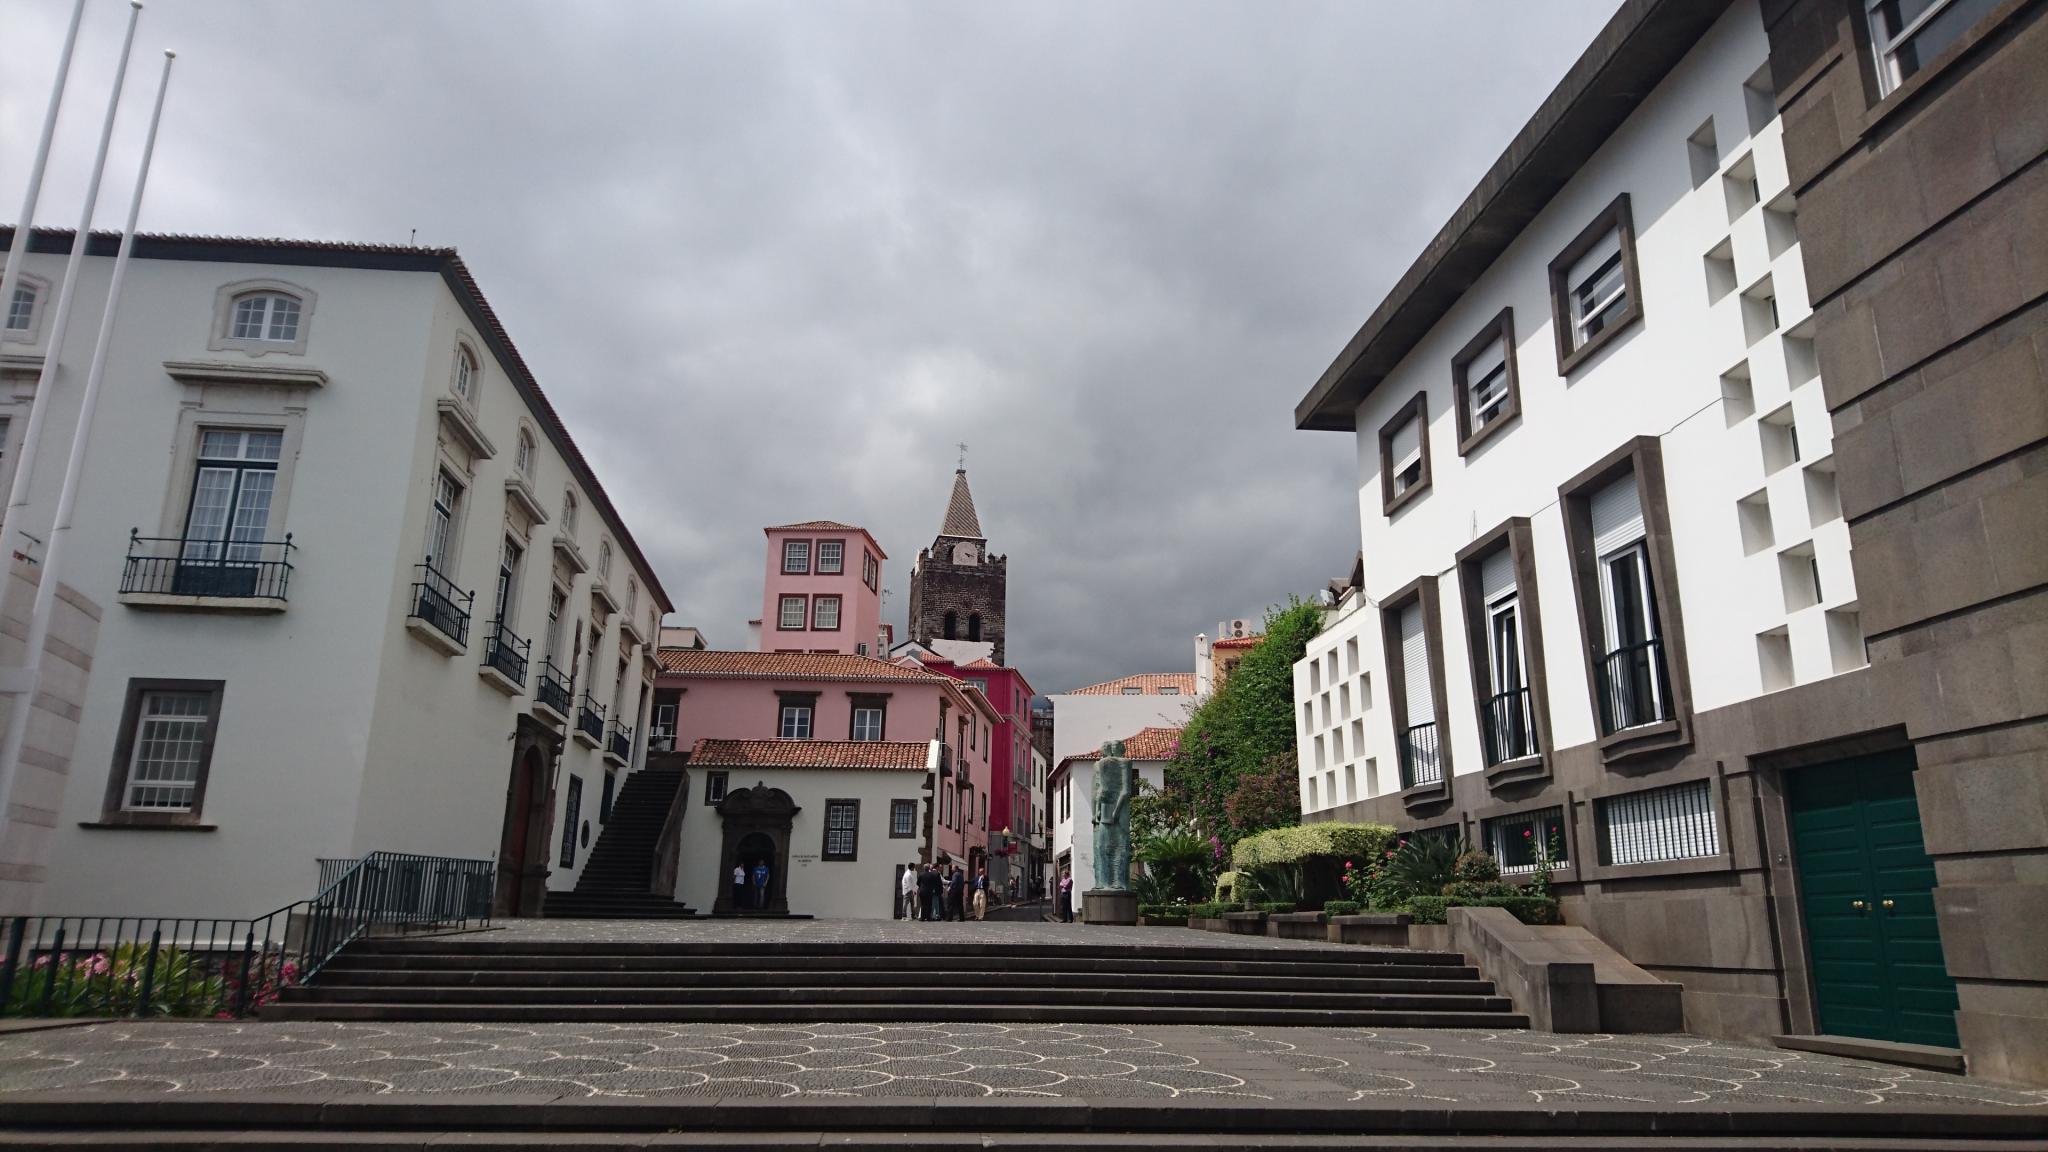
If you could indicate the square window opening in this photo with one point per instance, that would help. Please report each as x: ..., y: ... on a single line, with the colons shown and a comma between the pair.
x: 1845, y: 639
x: 1720, y: 270
x: 1702, y: 153
x: 1823, y: 493
x: 1774, y: 659
x: 1759, y: 310
x: 1781, y: 225
x: 1760, y: 99
x: 1799, y: 575
x: 1778, y: 436
x: 1739, y: 187
x: 1753, y: 516
x: 1738, y: 395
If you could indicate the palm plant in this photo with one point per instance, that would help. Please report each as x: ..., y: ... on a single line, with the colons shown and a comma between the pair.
x: 1181, y: 858
x: 1423, y: 865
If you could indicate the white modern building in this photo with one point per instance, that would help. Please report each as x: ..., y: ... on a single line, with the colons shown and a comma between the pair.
x: 359, y: 589
x: 1070, y: 797
x: 1085, y: 717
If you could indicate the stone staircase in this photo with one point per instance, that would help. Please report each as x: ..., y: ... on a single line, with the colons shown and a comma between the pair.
x: 474, y: 978
x: 613, y: 884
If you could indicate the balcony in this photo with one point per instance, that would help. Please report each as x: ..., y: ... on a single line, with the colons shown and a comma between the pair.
x: 590, y: 723
x: 1421, y: 764
x: 505, y: 659
x: 440, y: 611
x: 1635, y: 689
x: 179, y: 572
x: 618, y: 746
x: 551, y: 694
x: 1510, y: 727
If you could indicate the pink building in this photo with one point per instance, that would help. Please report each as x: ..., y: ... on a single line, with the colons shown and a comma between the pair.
x: 840, y: 697
x: 823, y: 590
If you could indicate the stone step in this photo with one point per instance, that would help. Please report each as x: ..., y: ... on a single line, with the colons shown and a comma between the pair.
x: 932, y: 1009
x: 991, y: 995
x: 746, y: 978
x: 686, y: 966
x: 484, y: 943
x: 963, y: 1140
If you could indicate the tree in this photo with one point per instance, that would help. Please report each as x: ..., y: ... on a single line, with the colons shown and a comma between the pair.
x: 1244, y: 729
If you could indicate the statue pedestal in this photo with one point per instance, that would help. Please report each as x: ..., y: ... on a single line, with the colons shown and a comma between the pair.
x: 1109, y: 906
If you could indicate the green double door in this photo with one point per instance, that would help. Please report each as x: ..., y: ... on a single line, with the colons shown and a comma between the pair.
x: 1867, y: 888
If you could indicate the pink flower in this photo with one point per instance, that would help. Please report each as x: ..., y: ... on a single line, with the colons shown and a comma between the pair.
x: 1527, y: 833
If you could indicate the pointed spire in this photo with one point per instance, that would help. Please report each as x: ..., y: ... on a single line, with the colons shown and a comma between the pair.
x: 961, y: 522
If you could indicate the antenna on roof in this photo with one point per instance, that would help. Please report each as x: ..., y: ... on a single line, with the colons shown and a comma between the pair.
x: 412, y: 238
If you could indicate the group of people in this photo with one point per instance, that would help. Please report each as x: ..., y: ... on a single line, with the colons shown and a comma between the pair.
x: 744, y: 896
x: 928, y: 892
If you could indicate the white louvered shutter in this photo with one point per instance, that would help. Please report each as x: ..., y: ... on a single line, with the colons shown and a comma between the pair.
x: 1617, y: 516
x: 1407, y: 445
x: 1415, y: 667
x: 1496, y: 575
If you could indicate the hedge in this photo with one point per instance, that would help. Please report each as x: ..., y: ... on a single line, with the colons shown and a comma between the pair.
x: 1342, y: 907
x: 1163, y: 911
x: 1275, y: 906
x: 1303, y: 841
x: 1527, y: 909
x: 1211, y: 910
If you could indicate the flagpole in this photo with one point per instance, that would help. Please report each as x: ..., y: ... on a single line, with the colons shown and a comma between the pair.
x: 53, y: 344
x: 10, y: 278
x: 67, y: 499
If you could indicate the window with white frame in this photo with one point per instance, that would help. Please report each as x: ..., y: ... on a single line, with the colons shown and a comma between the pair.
x: 1906, y: 34
x: 632, y: 594
x: 1630, y: 675
x: 467, y: 376
x: 1675, y: 822
x: 522, y: 456
x: 831, y: 557
x: 842, y: 830
x: 604, y: 560
x: 441, y: 521
x: 796, y: 557
x: 867, y: 721
x: 1508, y: 722
x: 568, y: 513
x: 22, y: 311
x: 556, y: 600
x: 1520, y: 841
x: 1407, y: 455
x: 507, y: 597
x: 229, y: 513
x: 870, y: 569
x: 825, y: 613
x: 170, y: 744
x: 796, y: 721
x: 1134, y: 692
x: 1598, y: 286
x: 790, y: 614
x: 267, y: 316
x: 714, y: 787
x: 1486, y: 385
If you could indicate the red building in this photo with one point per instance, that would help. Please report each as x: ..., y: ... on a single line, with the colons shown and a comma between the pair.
x: 1011, y: 789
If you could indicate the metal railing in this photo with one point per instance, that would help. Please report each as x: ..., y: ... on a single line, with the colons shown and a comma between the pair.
x: 1510, y: 728
x: 506, y: 652
x: 1675, y: 822
x: 1634, y: 687
x: 201, y: 967
x: 1420, y: 763
x: 437, y: 601
x: 590, y: 719
x: 190, y: 566
x: 553, y: 689
x: 619, y: 745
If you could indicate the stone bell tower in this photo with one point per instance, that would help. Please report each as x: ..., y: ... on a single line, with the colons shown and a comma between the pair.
x: 956, y: 587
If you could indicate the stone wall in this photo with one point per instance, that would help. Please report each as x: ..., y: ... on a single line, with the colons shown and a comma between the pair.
x: 31, y: 818
x: 940, y: 586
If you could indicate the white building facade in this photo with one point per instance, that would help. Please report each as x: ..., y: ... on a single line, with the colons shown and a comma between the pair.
x: 1112, y: 710
x: 361, y: 591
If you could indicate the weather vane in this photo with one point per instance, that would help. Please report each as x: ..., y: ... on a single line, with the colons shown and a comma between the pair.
x: 963, y: 455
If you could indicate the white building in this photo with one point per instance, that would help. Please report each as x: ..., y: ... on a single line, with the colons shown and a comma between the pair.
x: 1070, y: 797
x: 360, y: 590
x: 1112, y: 710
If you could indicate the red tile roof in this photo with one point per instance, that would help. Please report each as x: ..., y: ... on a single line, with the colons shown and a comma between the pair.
x: 1238, y: 642
x: 828, y: 526
x: 844, y: 755
x: 1148, y: 744
x: 789, y: 665
x: 1147, y: 683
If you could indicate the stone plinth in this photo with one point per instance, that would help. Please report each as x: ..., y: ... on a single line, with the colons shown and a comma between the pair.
x: 1109, y: 906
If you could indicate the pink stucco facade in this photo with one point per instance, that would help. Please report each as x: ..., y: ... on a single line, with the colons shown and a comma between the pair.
x: 822, y: 589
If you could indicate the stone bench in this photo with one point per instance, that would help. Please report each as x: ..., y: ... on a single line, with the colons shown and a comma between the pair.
x: 1208, y: 924
x: 1380, y: 929
x: 1245, y: 923
x: 1295, y: 925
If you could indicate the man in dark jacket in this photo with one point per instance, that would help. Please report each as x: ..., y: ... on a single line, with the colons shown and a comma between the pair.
x: 928, y: 891
x: 956, y: 892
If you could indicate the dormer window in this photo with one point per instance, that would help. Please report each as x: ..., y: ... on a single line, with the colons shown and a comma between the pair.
x: 466, y: 377
x: 522, y: 457
x: 1594, y: 292
x: 1404, y: 454
x: 272, y: 317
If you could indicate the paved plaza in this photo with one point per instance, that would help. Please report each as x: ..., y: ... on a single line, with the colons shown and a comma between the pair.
x: 1245, y: 1065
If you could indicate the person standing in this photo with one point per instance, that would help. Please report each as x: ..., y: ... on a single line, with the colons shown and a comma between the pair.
x: 739, y: 885
x: 928, y: 891
x: 981, y: 894
x: 906, y: 889
x: 761, y: 884
x: 958, y: 893
x: 1066, y: 897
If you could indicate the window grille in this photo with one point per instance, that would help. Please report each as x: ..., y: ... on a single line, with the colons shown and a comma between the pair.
x: 1515, y: 840
x: 842, y: 821
x: 1675, y: 822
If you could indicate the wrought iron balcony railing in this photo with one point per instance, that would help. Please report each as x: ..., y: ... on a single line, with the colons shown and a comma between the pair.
x: 437, y: 601
x: 506, y: 652
x: 223, y: 569
x: 620, y: 743
x: 1420, y: 761
x: 590, y: 719
x: 1510, y: 728
x: 553, y: 689
x: 1634, y: 687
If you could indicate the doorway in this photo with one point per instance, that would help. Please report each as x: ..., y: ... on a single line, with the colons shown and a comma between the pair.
x: 523, y: 841
x: 756, y: 828
x: 1867, y: 901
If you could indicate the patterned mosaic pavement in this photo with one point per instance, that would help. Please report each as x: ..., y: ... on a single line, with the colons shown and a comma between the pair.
x: 1096, y: 1061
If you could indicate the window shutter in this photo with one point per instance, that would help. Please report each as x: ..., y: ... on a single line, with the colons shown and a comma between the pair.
x: 1496, y: 575
x: 1407, y: 446
x: 1415, y: 667
x: 1602, y: 250
x: 1489, y: 358
x: 1617, y: 515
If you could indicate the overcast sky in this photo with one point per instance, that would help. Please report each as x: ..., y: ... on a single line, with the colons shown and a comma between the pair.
x: 771, y: 261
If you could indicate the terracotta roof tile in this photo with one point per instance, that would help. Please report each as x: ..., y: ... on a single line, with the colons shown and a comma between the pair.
x: 813, y: 526
x: 1238, y: 642
x: 788, y: 665
x: 1147, y: 683
x: 1148, y: 744
x: 844, y: 755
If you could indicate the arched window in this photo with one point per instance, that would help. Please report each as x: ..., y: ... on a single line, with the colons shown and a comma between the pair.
x: 522, y: 458
x: 632, y: 594
x: 568, y: 513
x: 951, y: 626
x: 974, y: 626
x: 604, y: 560
x: 467, y: 375
x: 269, y: 316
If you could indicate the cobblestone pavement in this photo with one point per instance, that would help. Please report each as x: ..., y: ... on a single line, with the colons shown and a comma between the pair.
x: 1084, y: 1060
x: 850, y: 931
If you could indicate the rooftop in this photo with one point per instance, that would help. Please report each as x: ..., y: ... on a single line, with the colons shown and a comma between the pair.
x: 829, y: 526
x: 844, y: 755
x: 787, y: 665
x: 1237, y: 642
x: 1148, y: 744
x: 961, y: 521
x: 1146, y: 683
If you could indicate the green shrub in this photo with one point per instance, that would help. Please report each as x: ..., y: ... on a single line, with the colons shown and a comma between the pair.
x: 1293, y: 845
x: 1527, y: 909
x: 1271, y: 882
x: 1474, y: 866
x: 1226, y: 888
x: 1211, y: 910
x: 1163, y: 911
x: 1428, y: 909
x: 1422, y: 865
x: 1342, y: 907
x: 1276, y: 906
x: 1473, y: 891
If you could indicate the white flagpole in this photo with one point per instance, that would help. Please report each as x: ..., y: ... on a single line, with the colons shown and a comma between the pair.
x: 53, y: 344
x: 23, y: 681
x: 26, y: 221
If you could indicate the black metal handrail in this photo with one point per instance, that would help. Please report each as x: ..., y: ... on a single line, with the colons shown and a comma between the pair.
x: 1634, y: 687
x: 1510, y: 728
x: 195, y: 566
x: 506, y: 652
x: 590, y: 719
x: 437, y: 601
x: 553, y: 689
x: 620, y: 742
x: 1420, y: 762
x: 201, y: 967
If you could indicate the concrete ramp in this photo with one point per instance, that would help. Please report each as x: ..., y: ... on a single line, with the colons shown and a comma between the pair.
x: 1565, y: 978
